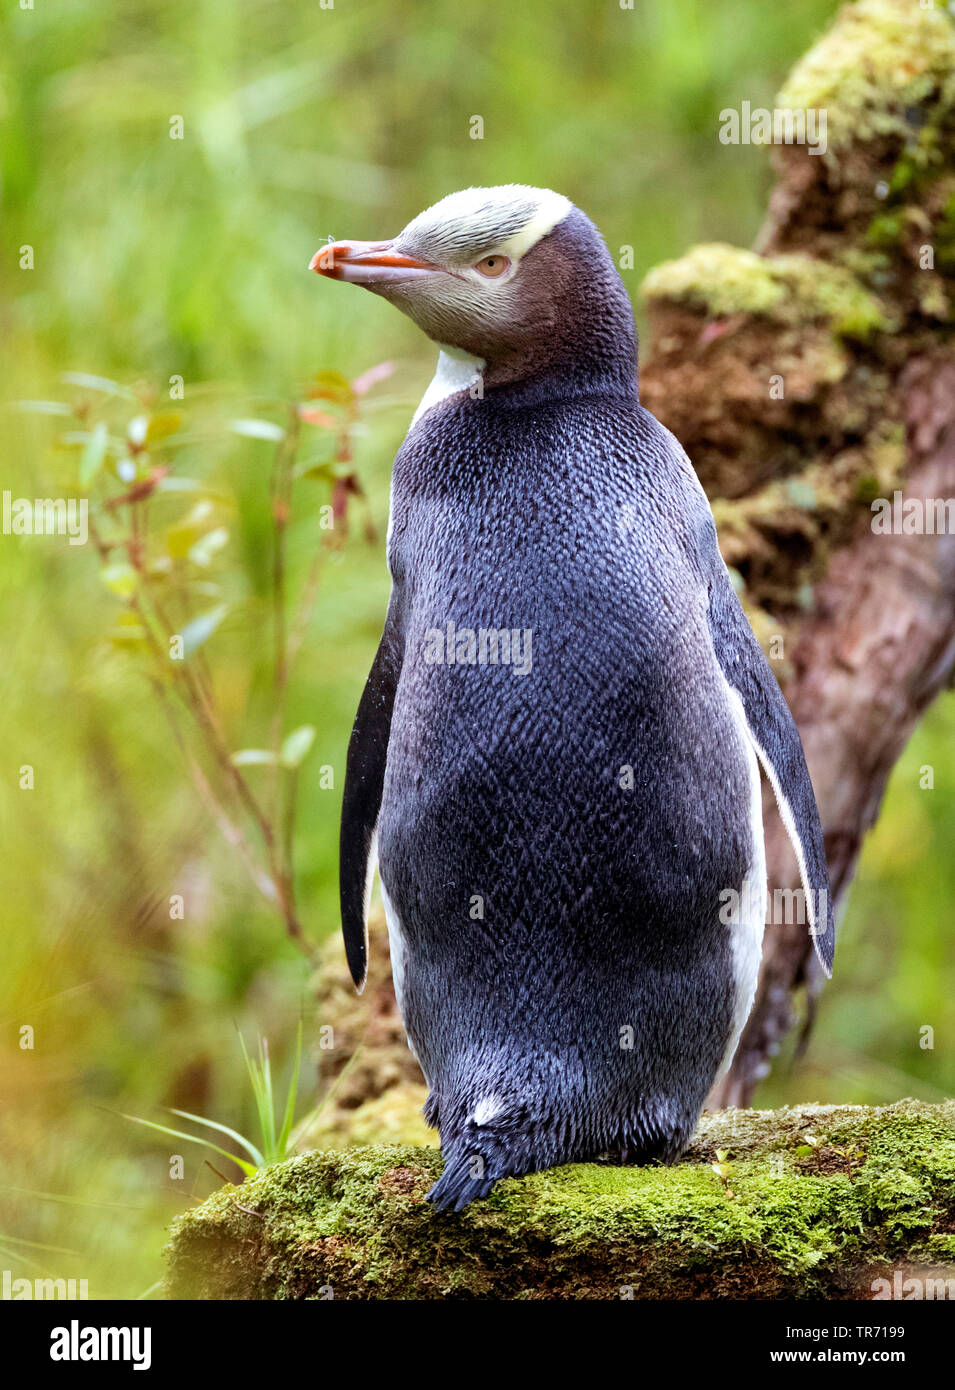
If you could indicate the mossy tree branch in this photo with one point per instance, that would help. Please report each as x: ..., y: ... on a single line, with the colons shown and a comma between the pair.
x: 806, y: 380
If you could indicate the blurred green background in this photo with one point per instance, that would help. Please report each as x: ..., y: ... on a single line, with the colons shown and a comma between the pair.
x: 156, y: 257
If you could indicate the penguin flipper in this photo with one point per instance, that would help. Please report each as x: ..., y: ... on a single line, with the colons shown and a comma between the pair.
x: 361, y: 802
x: 775, y: 739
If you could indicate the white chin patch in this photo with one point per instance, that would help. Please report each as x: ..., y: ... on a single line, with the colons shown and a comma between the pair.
x: 457, y: 371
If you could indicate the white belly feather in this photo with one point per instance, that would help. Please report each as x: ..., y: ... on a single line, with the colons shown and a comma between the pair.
x: 747, y: 924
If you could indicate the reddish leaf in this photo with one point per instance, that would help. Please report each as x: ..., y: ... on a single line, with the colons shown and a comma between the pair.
x: 363, y: 384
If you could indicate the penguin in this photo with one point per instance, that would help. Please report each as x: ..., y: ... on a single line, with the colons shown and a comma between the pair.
x: 555, y: 764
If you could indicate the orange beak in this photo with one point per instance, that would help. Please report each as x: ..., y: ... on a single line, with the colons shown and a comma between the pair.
x: 369, y: 263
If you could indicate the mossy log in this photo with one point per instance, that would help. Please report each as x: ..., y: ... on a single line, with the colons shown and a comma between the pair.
x: 813, y: 1202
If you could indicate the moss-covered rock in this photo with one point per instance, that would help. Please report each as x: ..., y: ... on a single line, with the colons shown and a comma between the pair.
x: 811, y: 1202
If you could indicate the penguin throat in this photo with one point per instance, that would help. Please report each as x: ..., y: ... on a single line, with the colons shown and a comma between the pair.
x: 456, y: 371
x: 558, y: 371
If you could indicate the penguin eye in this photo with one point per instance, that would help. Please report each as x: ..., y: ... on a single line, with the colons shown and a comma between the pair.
x: 492, y: 266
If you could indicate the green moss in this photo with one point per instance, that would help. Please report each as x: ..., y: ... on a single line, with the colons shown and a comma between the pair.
x: 832, y: 293
x: 720, y: 278
x: 939, y: 1249
x: 795, y: 289
x: 878, y: 1185
x: 885, y: 229
x: 818, y: 506
x: 880, y: 59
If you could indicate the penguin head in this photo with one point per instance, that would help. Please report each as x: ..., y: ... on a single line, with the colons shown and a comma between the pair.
x: 515, y: 276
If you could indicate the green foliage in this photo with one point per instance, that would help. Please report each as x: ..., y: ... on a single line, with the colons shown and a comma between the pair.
x: 274, y: 1130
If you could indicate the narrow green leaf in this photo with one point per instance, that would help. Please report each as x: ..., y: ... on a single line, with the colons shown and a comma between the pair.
x: 174, y: 483
x: 201, y: 628
x: 267, y: 1106
x: 37, y: 1245
x: 67, y: 1200
x: 247, y: 1168
x: 209, y: 545
x: 247, y: 1144
x: 258, y: 429
x: 43, y: 407
x: 288, y: 1118
x: 296, y: 746
x: 95, y: 383
x: 252, y: 757
x: 17, y: 1256
x: 256, y: 1083
x: 93, y: 455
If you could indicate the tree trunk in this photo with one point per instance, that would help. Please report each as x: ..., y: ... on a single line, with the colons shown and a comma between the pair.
x: 811, y: 382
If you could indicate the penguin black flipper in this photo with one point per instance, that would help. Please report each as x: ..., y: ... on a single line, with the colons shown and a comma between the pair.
x: 776, y: 742
x: 361, y: 802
